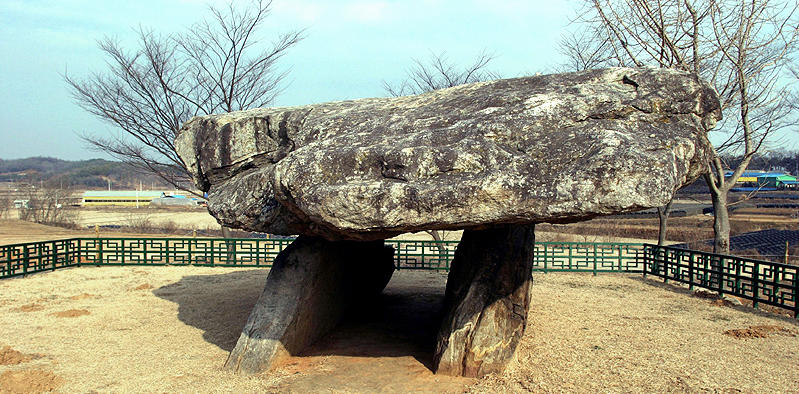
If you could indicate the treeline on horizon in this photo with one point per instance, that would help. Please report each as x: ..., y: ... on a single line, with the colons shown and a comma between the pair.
x: 95, y: 173
x: 88, y: 174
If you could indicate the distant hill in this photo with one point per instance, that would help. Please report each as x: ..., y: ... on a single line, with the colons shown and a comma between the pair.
x: 84, y: 174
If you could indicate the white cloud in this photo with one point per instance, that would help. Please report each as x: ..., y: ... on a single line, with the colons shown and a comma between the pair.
x: 348, y: 11
x: 367, y: 11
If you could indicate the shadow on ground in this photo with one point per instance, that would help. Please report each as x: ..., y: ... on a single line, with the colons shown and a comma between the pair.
x: 217, y: 304
x: 401, y: 322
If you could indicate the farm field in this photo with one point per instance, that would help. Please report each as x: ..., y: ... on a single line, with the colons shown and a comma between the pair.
x: 169, y: 329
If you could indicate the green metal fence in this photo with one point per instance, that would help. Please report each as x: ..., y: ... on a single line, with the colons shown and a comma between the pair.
x: 588, y: 257
x: 21, y: 259
x: 762, y: 282
x: 218, y: 252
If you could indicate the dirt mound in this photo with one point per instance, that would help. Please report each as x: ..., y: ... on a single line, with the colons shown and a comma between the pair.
x: 71, y: 313
x: 716, y: 298
x: 763, y: 331
x: 9, y: 356
x: 81, y: 296
x: 706, y: 294
x: 145, y: 286
x: 29, y: 308
x: 29, y: 381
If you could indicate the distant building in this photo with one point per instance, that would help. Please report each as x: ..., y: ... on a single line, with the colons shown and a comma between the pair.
x: 764, y: 181
x: 176, y: 200
x: 129, y: 198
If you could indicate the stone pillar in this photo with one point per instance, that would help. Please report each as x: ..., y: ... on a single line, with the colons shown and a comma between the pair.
x: 311, y: 284
x: 486, y: 301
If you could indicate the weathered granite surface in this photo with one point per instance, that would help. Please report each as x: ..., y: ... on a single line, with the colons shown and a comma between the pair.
x: 551, y: 148
x: 486, y: 302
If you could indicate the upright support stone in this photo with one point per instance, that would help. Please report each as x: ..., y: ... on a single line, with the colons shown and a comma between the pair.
x: 311, y: 284
x: 486, y: 301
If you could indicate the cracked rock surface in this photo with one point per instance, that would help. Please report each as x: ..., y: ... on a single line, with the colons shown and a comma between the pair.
x: 552, y: 148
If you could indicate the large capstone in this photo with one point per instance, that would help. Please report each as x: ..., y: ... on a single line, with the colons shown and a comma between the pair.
x: 491, y: 158
x: 552, y: 148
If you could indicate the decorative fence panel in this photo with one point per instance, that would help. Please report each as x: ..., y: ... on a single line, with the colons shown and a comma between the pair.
x: 760, y: 281
x: 431, y: 255
x: 22, y: 259
x: 588, y: 257
x: 219, y: 252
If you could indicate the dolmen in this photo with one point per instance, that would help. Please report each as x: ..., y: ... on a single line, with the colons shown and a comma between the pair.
x: 489, y: 158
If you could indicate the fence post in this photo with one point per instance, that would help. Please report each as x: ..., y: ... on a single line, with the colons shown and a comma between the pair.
x: 80, y: 251
x: 796, y: 293
x: 421, y: 244
x: 212, y: 253
x: 191, y: 255
x: 570, y: 256
x: 594, y: 271
x: 644, y: 260
x: 55, y: 254
x: 546, y: 263
x: 691, y: 270
x: 99, y: 254
x: 755, y: 284
x: 26, y: 258
x: 719, y: 273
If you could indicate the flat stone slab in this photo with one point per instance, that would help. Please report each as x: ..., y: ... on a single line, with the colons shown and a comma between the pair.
x: 553, y: 148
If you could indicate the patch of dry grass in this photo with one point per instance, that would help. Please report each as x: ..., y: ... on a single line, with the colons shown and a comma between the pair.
x: 624, y: 333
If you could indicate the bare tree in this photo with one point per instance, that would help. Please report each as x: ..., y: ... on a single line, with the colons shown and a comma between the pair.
x: 47, y: 205
x: 438, y: 72
x: 741, y: 47
x: 663, y: 219
x: 586, y: 49
x: 218, y: 65
x: 5, y: 205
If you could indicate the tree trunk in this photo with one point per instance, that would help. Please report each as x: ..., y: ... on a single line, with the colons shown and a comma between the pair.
x: 721, y: 222
x: 229, y: 245
x: 663, y: 217
x: 486, y: 301
x: 311, y: 284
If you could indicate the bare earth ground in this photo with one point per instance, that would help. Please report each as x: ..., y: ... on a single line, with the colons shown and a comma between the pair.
x: 13, y: 231
x: 194, y: 219
x: 169, y: 329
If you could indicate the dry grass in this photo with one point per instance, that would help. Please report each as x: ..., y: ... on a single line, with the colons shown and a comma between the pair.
x: 624, y: 333
x: 603, y: 333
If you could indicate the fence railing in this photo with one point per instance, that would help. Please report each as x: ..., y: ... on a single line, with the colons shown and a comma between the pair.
x: 21, y: 259
x: 588, y: 257
x: 762, y: 282
x: 759, y: 281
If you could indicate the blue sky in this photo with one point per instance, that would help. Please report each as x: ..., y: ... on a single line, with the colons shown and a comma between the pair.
x: 351, y: 47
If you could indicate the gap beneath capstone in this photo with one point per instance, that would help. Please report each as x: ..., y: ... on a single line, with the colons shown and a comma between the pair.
x: 383, y: 346
x: 314, y: 283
